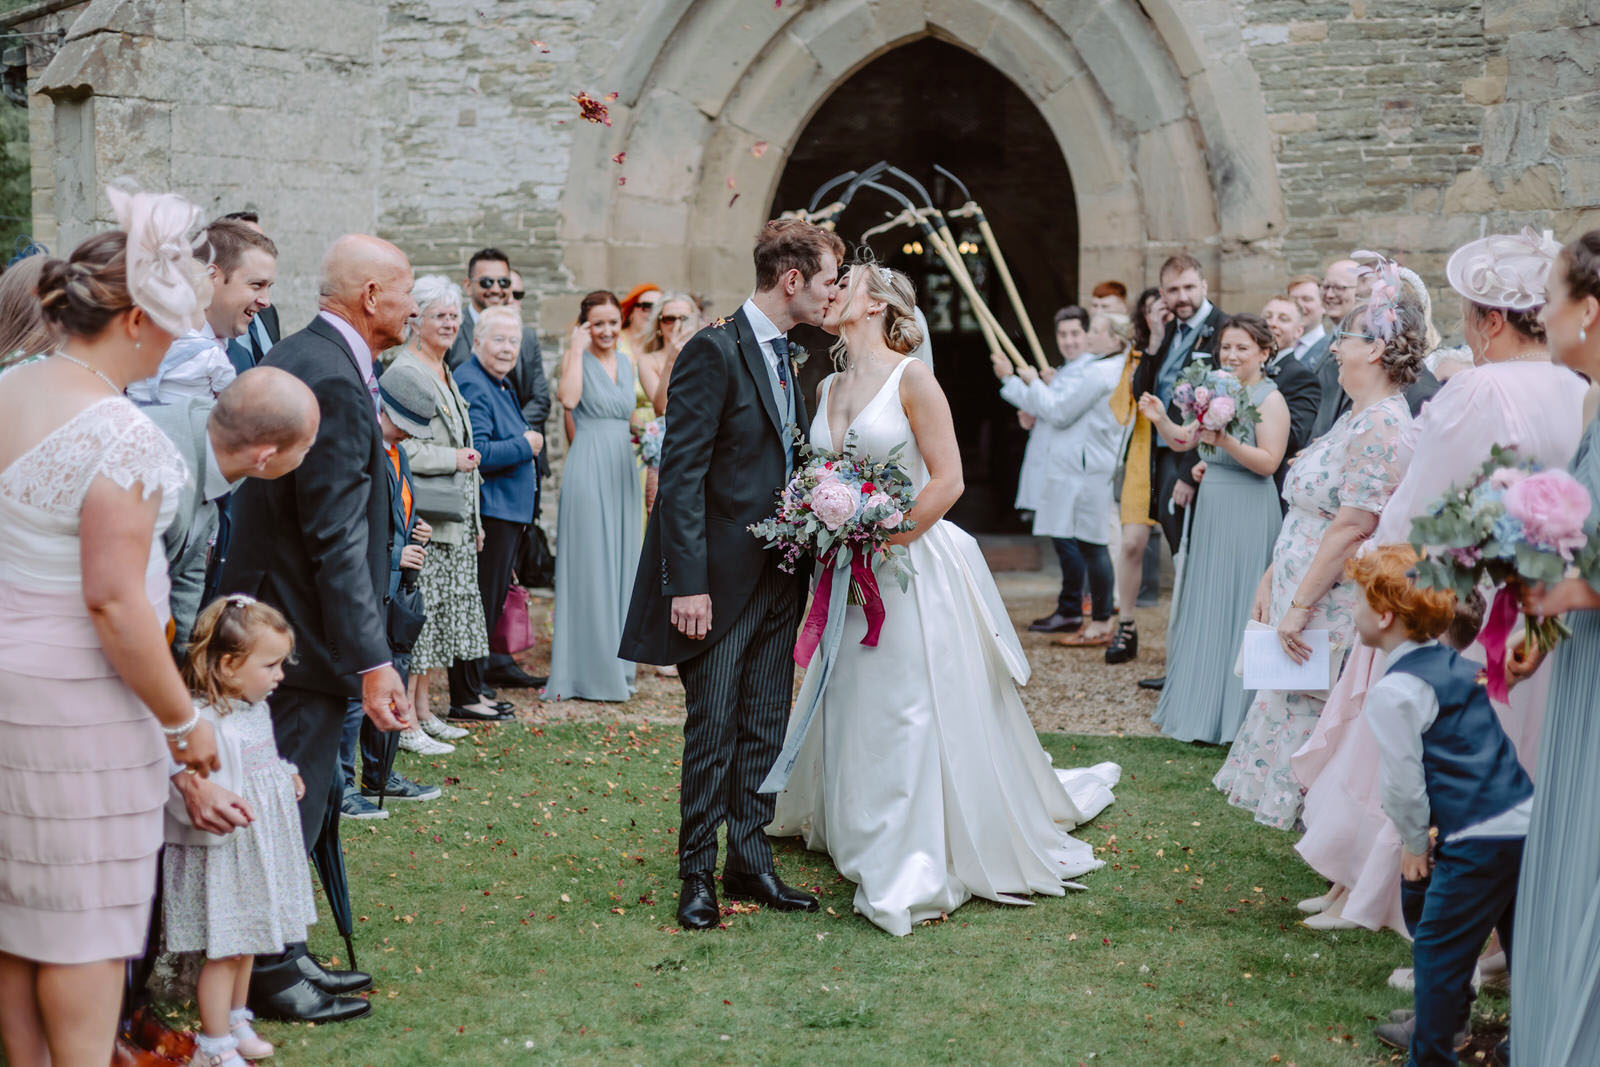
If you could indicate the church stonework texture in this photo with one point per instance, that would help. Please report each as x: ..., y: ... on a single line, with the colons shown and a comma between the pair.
x: 1268, y: 136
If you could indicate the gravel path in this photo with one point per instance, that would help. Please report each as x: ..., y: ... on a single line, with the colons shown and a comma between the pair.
x: 1072, y: 689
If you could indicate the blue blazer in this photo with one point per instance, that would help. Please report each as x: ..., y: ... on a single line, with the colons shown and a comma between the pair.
x: 399, y: 527
x: 510, y: 479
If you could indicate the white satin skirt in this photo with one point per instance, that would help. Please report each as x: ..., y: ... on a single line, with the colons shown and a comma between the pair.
x: 922, y: 777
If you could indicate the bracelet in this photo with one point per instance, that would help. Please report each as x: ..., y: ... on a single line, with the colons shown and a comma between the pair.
x: 1296, y: 604
x: 179, y: 735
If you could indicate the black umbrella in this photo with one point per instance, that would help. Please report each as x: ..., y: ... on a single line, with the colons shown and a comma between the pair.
x: 329, y: 860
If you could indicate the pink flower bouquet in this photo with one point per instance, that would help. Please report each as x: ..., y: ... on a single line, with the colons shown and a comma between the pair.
x: 1215, y: 400
x: 1514, y: 524
x: 647, y: 441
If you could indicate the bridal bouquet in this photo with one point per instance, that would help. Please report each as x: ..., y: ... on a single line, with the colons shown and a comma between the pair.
x: 647, y: 441
x: 1214, y: 399
x: 1513, y: 524
x: 841, y: 509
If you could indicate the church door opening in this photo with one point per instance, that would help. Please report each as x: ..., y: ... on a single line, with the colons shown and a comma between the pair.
x: 930, y: 102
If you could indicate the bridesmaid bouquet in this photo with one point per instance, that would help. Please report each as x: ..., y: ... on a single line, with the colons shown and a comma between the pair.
x: 647, y: 441
x: 841, y: 508
x: 1214, y: 399
x: 1514, y: 524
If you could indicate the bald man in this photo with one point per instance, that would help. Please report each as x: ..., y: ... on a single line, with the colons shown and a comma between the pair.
x: 315, y: 544
x: 260, y: 426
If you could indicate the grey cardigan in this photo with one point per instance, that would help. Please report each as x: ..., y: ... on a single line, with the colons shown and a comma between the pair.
x: 452, y: 429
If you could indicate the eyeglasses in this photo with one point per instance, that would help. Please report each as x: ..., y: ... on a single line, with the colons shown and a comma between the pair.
x: 642, y: 306
x: 490, y: 283
x: 673, y: 320
x: 1355, y: 336
x: 1330, y: 287
x: 518, y: 294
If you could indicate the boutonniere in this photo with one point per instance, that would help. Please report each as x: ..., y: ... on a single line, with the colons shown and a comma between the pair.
x: 798, y: 357
x: 719, y: 324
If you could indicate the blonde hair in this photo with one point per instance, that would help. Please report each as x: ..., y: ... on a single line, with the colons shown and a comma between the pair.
x: 227, y: 627
x: 901, y: 331
x: 655, y: 341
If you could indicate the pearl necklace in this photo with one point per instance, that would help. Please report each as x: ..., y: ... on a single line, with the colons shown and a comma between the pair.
x: 97, y: 372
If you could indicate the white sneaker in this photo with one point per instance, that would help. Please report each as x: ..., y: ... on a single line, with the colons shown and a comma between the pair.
x: 1405, y: 979
x: 443, y: 731
x: 415, y: 740
x: 1328, y: 921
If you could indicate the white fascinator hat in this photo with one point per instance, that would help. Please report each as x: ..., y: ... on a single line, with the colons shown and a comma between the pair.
x: 1504, y: 270
x: 164, y: 277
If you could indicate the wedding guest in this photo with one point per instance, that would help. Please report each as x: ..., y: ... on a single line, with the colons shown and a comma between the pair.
x: 261, y: 426
x: 675, y: 321
x: 1108, y: 298
x: 242, y: 265
x: 24, y: 330
x: 1335, y: 491
x: 1066, y: 470
x: 638, y: 309
x: 1446, y: 768
x: 1282, y: 316
x: 89, y: 694
x: 445, y: 471
x: 488, y: 285
x: 1553, y: 989
x: 670, y: 336
x: 249, y: 350
x: 1236, y: 520
x: 597, y: 530
x: 327, y: 571
x: 502, y: 437
x: 1299, y: 385
x: 1133, y: 493
x: 1517, y: 399
x: 1315, y: 342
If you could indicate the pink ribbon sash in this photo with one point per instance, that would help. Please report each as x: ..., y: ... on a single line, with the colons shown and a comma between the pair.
x: 866, y: 583
x: 1502, y: 616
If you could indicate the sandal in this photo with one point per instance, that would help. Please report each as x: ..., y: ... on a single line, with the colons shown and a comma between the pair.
x: 1125, y: 645
x: 1082, y: 640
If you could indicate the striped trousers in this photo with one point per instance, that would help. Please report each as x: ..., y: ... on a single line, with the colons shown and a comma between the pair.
x: 739, y: 695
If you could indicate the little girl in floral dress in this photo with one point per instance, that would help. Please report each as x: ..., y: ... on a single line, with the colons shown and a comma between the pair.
x: 248, y: 891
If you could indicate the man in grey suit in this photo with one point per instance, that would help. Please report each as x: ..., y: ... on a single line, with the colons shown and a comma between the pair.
x: 261, y: 426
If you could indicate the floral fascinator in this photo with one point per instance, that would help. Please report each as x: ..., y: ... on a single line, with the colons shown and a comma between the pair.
x: 1383, y: 317
x: 164, y: 277
x: 1504, y: 270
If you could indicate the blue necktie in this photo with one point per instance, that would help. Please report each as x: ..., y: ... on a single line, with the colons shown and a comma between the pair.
x: 780, y: 348
x: 240, y: 355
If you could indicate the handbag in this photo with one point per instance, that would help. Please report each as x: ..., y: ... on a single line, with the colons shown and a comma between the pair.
x: 407, y: 614
x: 536, y: 563
x: 440, y: 497
x: 514, y: 632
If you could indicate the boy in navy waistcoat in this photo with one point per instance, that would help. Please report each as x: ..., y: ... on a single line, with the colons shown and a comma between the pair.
x: 1446, y: 766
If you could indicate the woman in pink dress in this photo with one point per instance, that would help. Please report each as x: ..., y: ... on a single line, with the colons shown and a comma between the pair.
x: 1513, y: 397
x: 91, y: 705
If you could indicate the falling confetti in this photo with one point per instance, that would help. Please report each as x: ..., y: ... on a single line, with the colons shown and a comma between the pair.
x: 541, y: 46
x: 619, y: 157
x: 621, y: 180
x: 592, y: 110
x: 730, y: 183
x: 758, y: 149
x: 735, y: 198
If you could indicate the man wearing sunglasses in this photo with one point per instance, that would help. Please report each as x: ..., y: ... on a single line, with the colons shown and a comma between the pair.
x: 488, y: 284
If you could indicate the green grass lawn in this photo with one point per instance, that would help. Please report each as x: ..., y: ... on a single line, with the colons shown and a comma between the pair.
x: 528, y: 916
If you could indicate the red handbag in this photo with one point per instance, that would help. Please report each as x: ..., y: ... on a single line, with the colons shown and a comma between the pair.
x: 514, y: 632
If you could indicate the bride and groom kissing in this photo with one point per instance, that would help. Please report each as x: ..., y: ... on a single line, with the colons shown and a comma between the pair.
x: 921, y: 775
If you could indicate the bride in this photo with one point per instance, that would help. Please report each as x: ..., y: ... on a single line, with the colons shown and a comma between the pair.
x: 920, y: 774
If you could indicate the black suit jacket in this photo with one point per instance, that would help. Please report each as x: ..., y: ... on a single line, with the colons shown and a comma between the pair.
x: 315, y: 543
x: 527, y: 379
x: 722, y: 467
x: 1205, y: 346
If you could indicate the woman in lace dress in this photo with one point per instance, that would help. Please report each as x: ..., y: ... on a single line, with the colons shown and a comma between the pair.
x: 91, y: 705
x: 1335, y: 489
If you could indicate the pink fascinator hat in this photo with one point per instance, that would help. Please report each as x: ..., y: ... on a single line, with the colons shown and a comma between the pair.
x: 164, y: 277
x: 1504, y: 270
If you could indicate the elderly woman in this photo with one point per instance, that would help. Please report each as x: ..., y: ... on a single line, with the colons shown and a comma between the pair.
x: 1335, y: 490
x: 444, y: 471
x: 1133, y: 497
x: 598, y: 527
x: 509, y: 449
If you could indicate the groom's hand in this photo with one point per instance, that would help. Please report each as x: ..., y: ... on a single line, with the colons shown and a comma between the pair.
x: 692, y: 615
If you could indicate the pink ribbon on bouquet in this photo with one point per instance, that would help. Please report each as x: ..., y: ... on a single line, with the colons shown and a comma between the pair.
x: 817, y: 620
x: 1496, y: 629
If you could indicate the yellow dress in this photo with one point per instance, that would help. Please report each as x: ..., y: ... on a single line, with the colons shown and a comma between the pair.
x: 1135, y: 506
x: 644, y: 409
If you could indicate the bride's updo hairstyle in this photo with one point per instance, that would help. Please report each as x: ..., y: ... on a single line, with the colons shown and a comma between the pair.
x: 901, y: 331
x: 81, y: 294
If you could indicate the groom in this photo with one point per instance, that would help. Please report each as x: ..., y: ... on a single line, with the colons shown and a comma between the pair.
x: 708, y: 597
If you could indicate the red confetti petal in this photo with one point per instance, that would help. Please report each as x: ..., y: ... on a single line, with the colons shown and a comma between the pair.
x: 592, y: 110
x: 735, y: 197
x: 619, y: 157
x: 541, y: 46
x: 759, y: 149
x: 622, y: 180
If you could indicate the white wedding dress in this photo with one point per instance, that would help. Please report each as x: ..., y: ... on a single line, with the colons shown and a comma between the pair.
x: 921, y: 775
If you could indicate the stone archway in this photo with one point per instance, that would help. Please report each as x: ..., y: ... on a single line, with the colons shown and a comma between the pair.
x: 1132, y: 90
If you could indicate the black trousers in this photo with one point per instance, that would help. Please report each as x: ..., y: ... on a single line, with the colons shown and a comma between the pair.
x: 502, y: 540
x: 739, y: 693
x: 1166, y: 477
x: 308, y: 727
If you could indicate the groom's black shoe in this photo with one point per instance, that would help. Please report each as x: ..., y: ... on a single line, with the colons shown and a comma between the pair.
x: 697, y: 902
x: 767, y: 890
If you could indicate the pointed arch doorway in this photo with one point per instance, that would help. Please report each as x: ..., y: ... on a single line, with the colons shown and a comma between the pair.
x: 930, y: 102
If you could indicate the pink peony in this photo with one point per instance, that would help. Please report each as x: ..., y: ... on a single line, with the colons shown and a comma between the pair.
x: 877, y: 499
x: 892, y: 520
x: 1218, y: 413
x: 1202, y: 396
x: 1552, y: 507
x: 834, y: 503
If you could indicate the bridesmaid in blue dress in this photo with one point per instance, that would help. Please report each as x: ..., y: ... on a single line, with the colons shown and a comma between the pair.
x: 1555, y: 973
x: 598, y: 527
x: 1231, y: 534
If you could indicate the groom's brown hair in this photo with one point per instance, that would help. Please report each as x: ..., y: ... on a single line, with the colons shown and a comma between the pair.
x: 793, y: 244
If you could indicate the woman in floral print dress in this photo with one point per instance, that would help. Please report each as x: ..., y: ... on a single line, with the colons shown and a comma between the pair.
x: 1335, y: 490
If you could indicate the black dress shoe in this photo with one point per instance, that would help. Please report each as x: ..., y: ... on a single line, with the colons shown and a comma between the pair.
x: 697, y: 902
x: 514, y: 677
x: 461, y: 714
x: 301, y: 1000
x: 1056, y: 624
x: 339, y: 983
x: 767, y: 890
x: 1157, y: 684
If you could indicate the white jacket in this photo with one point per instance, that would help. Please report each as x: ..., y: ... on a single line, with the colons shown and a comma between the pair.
x: 1072, y: 449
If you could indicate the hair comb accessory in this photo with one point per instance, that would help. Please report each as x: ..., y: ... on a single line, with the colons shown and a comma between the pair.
x: 1504, y: 270
x: 164, y: 277
x: 1383, y: 315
